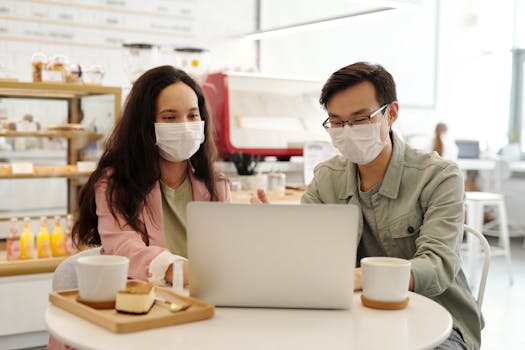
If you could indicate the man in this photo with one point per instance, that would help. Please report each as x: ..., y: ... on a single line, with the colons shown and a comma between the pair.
x: 412, y: 202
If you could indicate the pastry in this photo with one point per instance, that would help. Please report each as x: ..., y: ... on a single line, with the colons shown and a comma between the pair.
x: 137, y: 298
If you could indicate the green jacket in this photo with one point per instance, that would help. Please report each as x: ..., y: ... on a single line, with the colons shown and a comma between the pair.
x: 419, y: 210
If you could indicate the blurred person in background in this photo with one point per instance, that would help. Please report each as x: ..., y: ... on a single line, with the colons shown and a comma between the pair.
x: 443, y: 144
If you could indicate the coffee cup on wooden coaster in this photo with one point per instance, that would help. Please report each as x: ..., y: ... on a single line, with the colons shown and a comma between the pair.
x: 99, y: 278
x: 385, y: 282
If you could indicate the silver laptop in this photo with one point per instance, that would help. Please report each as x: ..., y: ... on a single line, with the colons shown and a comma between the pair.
x: 289, y: 256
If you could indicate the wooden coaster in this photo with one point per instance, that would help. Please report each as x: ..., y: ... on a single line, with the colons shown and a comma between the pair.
x: 99, y: 305
x: 384, y: 305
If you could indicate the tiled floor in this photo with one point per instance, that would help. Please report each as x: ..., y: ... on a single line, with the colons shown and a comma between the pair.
x: 504, y: 305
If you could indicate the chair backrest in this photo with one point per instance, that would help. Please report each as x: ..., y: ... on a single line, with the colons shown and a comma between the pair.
x: 486, y: 261
x: 65, y: 276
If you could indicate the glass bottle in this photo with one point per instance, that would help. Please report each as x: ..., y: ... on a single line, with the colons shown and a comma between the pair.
x: 43, y: 241
x: 58, y: 241
x: 70, y: 246
x: 27, y: 241
x: 13, y: 241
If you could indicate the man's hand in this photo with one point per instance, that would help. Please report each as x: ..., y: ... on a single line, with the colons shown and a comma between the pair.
x: 261, y: 197
x: 357, y: 279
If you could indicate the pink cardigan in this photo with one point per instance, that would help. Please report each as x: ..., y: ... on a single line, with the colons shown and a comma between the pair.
x: 125, y: 241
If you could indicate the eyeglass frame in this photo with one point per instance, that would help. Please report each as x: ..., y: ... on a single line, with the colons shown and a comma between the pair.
x: 349, y: 122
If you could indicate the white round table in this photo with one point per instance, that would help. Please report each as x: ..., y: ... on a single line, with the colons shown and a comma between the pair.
x: 423, y: 324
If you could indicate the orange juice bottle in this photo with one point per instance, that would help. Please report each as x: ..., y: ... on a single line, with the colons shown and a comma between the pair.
x: 43, y: 242
x: 58, y: 241
x: 70, y: 246
x: 13, y: 241
x: 27, y: 241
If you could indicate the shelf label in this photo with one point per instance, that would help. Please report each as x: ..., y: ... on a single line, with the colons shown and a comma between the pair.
x: 85, y: 166
x: 22, y: 168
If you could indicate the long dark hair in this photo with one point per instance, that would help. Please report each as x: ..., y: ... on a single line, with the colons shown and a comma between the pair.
x: 131, y: 158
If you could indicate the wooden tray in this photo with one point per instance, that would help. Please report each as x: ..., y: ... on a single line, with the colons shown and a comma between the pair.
x: 114, y: 321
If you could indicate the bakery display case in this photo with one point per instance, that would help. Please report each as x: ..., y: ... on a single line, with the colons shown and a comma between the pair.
x: 75, y: 135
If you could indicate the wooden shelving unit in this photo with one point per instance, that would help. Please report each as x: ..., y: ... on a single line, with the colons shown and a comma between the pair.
x: 77, y: 139
x: 45, y: 174
x: 30, y: 266
x: 53, y: 134
x: 60, y: 91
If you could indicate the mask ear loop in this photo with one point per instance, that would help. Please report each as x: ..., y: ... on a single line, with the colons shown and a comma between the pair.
x: 390, y: 132
x: 384, y: 114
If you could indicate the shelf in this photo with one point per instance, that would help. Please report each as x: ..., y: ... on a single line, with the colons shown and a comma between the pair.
x: 53, y: 134
x: 75, y: 95
x: 27, y: 267
x: 68, y: 171
x: 54, y: 90
x: 41, y: 155
x: 32, y: 217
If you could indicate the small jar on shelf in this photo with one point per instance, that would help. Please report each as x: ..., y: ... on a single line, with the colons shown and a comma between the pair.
x: 38, y: 63
x: 93, y: 74
x: 55, y: 69
x: 73, y: 74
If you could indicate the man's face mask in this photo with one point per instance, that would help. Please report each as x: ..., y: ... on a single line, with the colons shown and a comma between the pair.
x: 360, y: 143
x: 179, y: 141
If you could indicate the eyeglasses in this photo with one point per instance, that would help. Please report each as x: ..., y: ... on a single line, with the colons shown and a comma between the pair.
x: 329, y: 124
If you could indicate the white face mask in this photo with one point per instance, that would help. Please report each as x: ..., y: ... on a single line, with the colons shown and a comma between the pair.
x: 179, y: 141
x: 360, y: 144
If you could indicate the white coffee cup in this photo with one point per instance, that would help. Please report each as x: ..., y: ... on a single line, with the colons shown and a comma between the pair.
x: 100, y: 277
x: 385, y: 279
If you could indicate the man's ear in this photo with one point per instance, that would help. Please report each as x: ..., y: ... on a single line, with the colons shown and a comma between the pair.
x: 393, y: 111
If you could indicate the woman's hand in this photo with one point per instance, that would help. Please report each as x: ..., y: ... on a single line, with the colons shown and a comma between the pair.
x: 169, y: 273
x: 261, y: 197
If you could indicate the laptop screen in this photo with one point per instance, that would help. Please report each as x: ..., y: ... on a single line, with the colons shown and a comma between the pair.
x: 299, y: 256
x: 468, y: 149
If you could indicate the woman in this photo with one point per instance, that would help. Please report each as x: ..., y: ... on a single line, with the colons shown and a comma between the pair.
x: 159, y: 157
x: 444, y: 145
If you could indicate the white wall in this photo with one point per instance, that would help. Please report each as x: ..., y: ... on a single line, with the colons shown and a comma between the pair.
x: 91, y: 31
x: 474, y: 74
x: 475, y: 69
x: 402, y: 40
x: 473, y: 64
x: 519, y: 20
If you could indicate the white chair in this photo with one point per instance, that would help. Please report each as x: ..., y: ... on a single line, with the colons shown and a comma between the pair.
x: 486, y: 260
x: 476, y: 203
x: 65, y: 276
